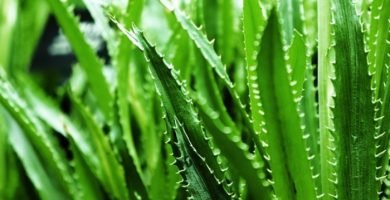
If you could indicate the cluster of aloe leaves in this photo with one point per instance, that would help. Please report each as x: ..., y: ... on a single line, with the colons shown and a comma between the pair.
x: 203, y: 99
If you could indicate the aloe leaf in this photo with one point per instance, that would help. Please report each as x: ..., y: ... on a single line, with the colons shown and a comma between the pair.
x: 134, y: 177
x: 207, y: 12
x: 226, y: 32
x: 35, y: 132
x: 310, y: 25
x: 29, y: 25
x: 183, y: 119
x: 4, y: 148
x: 290, y: 14
x: 304, y: 92
x: 200, y: 183
x: 325, y: 100
x: 110, y: 173
x: 204, y: 45
x: 34, y: 167
x: 178, y: 54
x: 165, y: 179
x: 47, y: 110
x: 377, y: 46
x: 363, y: 9
x: 354, y: 109
x: 121, y: 62
x: 282, y: 123
x: 207, y: 93
x: 255, y: 18
x: 206, y: 48
x: 237, y: 154
x: 9, y: 168
x: 383, y: 123
x: 7, y: 29
x: 88, y: 185
x: 297, y: 62
x: 89, y: 62
x: 310, y: 108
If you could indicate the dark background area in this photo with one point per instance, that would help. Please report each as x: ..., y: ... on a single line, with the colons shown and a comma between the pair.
x: 54, y: 70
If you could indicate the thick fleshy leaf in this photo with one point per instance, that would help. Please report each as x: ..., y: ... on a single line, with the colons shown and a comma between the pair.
x: 354, y: 109
x: 284, y: 136
x: 182, y: 118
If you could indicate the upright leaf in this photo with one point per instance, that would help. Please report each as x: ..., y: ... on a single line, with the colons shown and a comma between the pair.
x: 282, y: 124
x: 325, y: 100
x: 354, y: 109
x: 89, y: 62
x: 204, y: 175
x: 110, y: 173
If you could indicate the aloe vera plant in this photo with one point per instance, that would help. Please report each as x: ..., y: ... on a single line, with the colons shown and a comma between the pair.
x: 248, y: 99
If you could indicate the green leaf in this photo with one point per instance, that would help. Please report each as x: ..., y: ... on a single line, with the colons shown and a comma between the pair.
x: 88, y: 185
x: 290, y: 14
x: 199, y: 180
x: 204, y: 45
x: 121, y: 62
x: 284, y: 137
x: 377, y: 46
x: 236, y: 152
x: 378, y: 49
x: 255, y: 16
x: 208, y: 52
x: 325, y: 100
x: 226, y: 32
x: 35, y: 168
x: 310, y: 24
x: 354, y: 109
x: 89, y: 62
x: 297, y: 62
x: 110, y: 172
x: 7, y: 28
x: 184, y: 123
x: 34, y: 133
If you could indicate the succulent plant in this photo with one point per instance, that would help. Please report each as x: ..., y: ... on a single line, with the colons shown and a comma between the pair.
x: 249, y: 99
